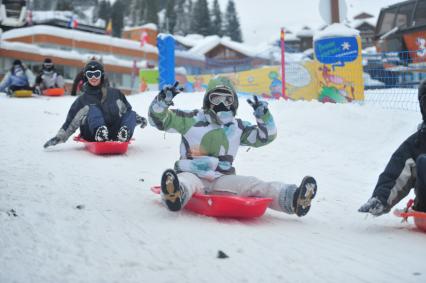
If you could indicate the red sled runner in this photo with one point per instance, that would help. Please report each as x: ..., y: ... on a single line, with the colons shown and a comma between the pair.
x: 103, y: 148
x: 419, y: 217
x: 226, y: 206
x: 54, y: 92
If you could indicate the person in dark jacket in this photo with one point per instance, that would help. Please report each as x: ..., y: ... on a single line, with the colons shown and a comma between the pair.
x: 405, y: 170
x: 102, y: 113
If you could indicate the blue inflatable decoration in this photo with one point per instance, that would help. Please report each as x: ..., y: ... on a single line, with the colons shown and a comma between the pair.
x: 336, y: 51
x: 166, y: 59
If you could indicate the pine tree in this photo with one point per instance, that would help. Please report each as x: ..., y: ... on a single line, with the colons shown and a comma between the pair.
x: 117, y: 18
x: 201, y: 23
x: 151, y: 15
x: 104, y: 11
x: 64, y: 5
x: 217, y: 19
x: 232, y: 24
x: 43, y: 5
x: 170, y: 17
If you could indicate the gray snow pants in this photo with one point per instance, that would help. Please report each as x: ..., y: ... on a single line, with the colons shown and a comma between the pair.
x: 247, y: 186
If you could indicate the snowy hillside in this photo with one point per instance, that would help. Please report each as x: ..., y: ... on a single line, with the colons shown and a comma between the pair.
x: 67, y: 215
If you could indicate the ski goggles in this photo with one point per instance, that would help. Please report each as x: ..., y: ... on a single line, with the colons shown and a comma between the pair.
x: 94, y: 74
x: 217, y: 98
x: 48, y: 65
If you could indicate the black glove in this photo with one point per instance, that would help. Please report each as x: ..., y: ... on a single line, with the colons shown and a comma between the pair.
x: 373, y: 206
x: 52, y: 141
x: 260, y: 107
x: 169, y: 92
x: 141, y: 121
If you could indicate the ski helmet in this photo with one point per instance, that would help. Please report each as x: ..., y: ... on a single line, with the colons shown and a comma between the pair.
x: 220, y: 84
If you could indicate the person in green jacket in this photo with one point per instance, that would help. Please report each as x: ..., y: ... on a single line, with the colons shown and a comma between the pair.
x: 211, y: 137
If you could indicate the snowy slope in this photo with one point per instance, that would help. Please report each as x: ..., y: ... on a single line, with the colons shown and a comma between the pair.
x: 123, y: 234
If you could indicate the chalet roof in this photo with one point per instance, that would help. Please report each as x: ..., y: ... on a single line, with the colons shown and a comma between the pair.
x: 357, y: 23
x: 363, y: 15
x: 200, y: 45
x: 78, y: 35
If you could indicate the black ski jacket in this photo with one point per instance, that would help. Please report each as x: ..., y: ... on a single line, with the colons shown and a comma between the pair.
x: 399, y: 176
x: 111, y: 101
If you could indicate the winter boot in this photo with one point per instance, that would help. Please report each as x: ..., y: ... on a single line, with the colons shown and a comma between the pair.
x: 303, y: 196
x: 171, y: 191
x: 101, y: 134
x: 123, y: 134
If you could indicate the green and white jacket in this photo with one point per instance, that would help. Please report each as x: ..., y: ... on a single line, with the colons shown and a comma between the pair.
x: 208, y: 148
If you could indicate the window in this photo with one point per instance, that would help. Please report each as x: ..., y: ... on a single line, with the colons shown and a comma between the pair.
x: 420, y: 14
x: 403, y: 18
x: 386, y: 23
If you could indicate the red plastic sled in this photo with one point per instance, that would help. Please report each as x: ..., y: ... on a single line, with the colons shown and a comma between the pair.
x: 54, y: 92
x: 103, y: 148
x: 228, y: 206
x: 419, y: 217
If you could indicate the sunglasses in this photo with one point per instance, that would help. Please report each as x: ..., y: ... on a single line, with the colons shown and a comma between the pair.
x: 48, y: 65
x: 94, y: 74
x: 217, y: 98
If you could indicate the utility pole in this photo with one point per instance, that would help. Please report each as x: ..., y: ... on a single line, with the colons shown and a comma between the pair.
x: 335, y: 17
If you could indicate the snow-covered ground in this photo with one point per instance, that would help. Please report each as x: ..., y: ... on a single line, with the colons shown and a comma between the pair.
x: 122, y: 233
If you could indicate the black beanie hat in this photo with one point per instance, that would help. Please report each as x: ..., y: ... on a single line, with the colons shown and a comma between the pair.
x: 17, y: 62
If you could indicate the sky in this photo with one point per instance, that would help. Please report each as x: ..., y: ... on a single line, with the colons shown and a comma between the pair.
x: 78, y: 217
x: 261, y: 20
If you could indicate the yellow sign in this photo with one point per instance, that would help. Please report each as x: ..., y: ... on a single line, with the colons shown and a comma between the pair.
x: 335, y: 79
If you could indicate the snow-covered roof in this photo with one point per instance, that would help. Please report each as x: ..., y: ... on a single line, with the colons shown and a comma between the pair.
x: 291, y: 37
x: 188, y: 40
x: 357, y: 23
x: 145, y: 26
x: 208, y: 43
x: 336, y: 30
x: 78, y: 35
x: 305, y: 32
x: 73, y: 55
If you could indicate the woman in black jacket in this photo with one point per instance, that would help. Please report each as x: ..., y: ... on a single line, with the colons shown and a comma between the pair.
x: 102, y: 113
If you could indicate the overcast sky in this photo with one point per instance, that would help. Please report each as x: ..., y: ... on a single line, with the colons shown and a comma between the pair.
x: 261, y: 19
